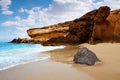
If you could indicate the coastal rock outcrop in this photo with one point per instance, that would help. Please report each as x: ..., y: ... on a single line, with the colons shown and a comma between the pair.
x: 20, y: 40
x: 48, y: 32
x: 109, y: 30
x: 99, y: 25
x: 85, y: 56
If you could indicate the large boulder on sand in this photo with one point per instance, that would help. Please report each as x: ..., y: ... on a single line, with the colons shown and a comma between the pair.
x: 85, y: 56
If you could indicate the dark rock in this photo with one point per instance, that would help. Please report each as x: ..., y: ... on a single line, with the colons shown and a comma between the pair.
x: 88, y: 16
x: 81, y: 30
x: 14, y: 41
x: 85, y: 56
x: 20, y: 40
x: 103, y: 13
x: 24, y: 40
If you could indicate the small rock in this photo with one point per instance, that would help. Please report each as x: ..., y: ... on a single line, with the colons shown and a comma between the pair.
x: 14, y: 41
x: 85, y: 56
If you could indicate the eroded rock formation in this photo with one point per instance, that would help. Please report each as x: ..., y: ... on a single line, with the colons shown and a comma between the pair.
x: 109, y: 30
x: 97, y: 25
x: 20, y: 40
x: 49, y: 32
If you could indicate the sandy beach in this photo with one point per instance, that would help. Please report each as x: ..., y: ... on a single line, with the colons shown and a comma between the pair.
x: 44, y: 70
x: 61, y: 66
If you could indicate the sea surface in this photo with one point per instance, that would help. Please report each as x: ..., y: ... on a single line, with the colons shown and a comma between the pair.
x: 12, y: 54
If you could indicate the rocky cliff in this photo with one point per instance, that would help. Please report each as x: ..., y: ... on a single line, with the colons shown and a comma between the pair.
x: 48, y: 32
x: 97, y: 25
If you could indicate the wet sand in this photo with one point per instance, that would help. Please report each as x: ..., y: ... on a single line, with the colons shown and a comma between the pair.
x: 108, y: 53
x: 44, y: 70
x: 61, y: 66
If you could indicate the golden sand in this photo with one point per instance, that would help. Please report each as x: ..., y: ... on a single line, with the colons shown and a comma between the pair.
x: 61, y: 66
x: 108, y: 53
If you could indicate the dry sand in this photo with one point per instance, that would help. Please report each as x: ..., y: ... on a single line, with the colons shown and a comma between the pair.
x: 61, y: 66
x: 108, y: 53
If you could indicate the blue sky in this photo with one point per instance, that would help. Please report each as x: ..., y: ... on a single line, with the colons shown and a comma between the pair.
x: 16, y: 16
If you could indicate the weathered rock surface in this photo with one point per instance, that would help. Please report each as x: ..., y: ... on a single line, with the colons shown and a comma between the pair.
x: 48, y: 32
x: 99, y: 25
x: 109, y: 30
x: 85, y: 56
x: 20, y: 40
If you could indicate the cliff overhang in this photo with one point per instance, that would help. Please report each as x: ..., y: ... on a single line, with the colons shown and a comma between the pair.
x: 100, y: 25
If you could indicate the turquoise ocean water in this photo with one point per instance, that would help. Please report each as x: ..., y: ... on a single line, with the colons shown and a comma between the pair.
x: 12, y: 54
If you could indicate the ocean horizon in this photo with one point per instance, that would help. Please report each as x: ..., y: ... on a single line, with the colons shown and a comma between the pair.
x: 12, y: 54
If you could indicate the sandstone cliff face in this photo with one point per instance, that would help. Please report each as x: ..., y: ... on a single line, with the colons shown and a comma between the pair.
x: 97, y: 25
x: 48, y: 32
x: 110, y: 28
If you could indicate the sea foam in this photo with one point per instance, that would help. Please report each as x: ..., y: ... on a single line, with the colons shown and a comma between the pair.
x: 17, y: 54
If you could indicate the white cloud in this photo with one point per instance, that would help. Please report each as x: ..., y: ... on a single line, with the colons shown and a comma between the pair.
x: 5, y: 7
x: 21, y: 32
x: 7, y: 12
x: 58, y: 11
x: 21, y: 10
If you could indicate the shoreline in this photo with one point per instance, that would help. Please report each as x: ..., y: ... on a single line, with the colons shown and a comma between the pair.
x: 24, y: 63
x: 60, y: 65
x: 44, y: 70
x: 12, y: 54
